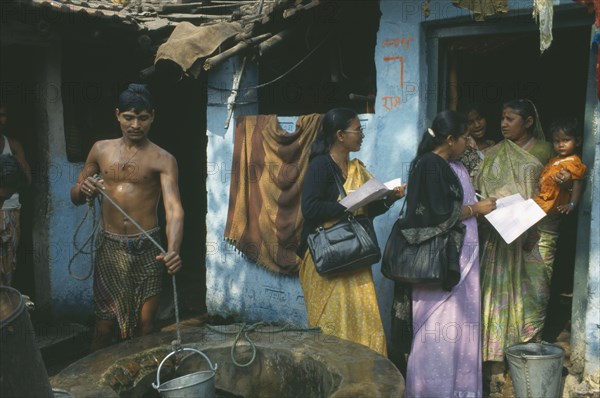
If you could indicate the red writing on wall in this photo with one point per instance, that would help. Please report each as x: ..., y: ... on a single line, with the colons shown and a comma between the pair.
x: 391, y: 102
x: 401, y: 60
x: 402, y: 42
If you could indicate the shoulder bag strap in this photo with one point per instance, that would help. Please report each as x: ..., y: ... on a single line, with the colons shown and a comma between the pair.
x: 338, y: 182
x: 402, y: 208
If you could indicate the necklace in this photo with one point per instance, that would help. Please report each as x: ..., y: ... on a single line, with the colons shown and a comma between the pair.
x: 344, y: 170
x: 128, y: 160
x: 528, y: 144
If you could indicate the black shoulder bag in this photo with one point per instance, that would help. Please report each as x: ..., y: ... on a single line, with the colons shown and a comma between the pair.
x: 349, y: 244
x: 425, y: 256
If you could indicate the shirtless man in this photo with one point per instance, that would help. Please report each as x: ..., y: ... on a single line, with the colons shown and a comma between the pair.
x: 134, y: 172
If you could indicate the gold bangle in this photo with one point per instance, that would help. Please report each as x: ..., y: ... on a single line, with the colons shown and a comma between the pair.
x: 471, y: 211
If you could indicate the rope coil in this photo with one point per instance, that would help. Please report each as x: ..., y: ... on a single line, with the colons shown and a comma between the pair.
x: 91, y: 241
x: 245, y: 330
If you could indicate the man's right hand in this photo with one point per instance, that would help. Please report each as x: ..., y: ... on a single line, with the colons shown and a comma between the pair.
x: 172, y: 261
x: 90, y: 186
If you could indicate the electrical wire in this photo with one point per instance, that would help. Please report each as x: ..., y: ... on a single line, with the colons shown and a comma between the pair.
x: 277, y: 78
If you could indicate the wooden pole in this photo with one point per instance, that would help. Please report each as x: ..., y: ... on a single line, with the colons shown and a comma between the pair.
x: 273, y: 42
x: 238, y: 48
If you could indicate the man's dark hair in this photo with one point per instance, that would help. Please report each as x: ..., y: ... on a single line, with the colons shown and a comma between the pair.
x: 11, y: 174
x: 136, y: 97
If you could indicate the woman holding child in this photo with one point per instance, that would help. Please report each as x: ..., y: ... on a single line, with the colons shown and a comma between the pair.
x: 515, y: 278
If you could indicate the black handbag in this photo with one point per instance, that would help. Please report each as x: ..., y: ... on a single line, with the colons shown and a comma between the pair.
x: 425, y: 256
x: 349, y: 244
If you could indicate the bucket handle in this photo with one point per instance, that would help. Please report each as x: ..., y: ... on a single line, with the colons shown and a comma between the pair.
x: 213, y: 368
x: 524, y: 356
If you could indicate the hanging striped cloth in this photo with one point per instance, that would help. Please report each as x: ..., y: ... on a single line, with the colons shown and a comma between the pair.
x: 264, y: 220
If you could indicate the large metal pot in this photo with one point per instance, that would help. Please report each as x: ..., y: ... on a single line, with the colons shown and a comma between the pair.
x: 22, y: 370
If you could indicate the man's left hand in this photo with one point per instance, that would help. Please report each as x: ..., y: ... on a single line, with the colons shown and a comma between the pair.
x: 172, y: 262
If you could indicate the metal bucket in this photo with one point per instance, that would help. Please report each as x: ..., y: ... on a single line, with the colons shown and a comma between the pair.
x: 22, y: 370
x: 536, y: 369
x: 195, y: 385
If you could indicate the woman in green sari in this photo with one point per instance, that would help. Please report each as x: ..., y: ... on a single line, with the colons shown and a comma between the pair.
x: 515, y: 278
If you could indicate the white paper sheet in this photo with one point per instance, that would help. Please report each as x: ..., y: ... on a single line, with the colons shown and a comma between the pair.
x: 509, y: 200
x: 514, y: 215
x: 370, y: 191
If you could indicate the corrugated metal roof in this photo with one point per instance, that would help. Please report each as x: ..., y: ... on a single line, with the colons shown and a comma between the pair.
x: 101, y: 9
x: 141, y: 15
x: 156, y: 14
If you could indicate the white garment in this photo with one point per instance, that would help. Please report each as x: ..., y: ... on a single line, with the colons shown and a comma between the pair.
x: 13, y: 201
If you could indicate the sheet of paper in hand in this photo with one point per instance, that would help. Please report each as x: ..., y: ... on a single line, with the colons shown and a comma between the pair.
x: 370, y: 191
x: 514, y: 215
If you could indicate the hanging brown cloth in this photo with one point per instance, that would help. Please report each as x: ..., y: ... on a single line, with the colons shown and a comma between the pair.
x: 268, y: 167
x: 483, y: 8
x: 189, y: 43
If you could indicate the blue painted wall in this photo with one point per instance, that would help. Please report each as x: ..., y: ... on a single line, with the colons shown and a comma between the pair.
x: 58, y: 219
x: 235, y: 286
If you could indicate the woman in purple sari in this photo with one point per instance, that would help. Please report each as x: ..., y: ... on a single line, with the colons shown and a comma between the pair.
x: 445, y: 357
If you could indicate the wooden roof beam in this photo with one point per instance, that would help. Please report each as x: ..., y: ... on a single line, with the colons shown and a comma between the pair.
x: 212, y: 62
x: 273, y: 42
x: 301, y: 7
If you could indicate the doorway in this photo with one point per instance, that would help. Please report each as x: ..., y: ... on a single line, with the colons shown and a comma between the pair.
x: 491, y: 70
x: 490, y: 64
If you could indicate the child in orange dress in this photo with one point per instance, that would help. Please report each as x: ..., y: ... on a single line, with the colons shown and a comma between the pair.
x: 553, y: 197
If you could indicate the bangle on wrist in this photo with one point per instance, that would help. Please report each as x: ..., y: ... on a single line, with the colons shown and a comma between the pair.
x: 386, y: 205
x: 471, y: 212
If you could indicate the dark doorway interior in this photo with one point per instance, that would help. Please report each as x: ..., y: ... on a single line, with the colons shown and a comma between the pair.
x: 20, y: 93
x: 334, y: 46
x: 180, y: 128
x: 493, y: 69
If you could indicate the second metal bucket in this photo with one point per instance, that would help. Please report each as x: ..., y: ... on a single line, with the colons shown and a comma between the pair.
x: 195, y: 385
x: 536, y: 369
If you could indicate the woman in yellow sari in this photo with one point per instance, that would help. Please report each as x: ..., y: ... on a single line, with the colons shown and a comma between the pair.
x: 343, y: 305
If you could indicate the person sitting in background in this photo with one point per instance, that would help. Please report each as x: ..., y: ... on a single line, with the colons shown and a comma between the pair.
x: 478, y: 141
x: 11, y: 176
x: 10, y: 213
